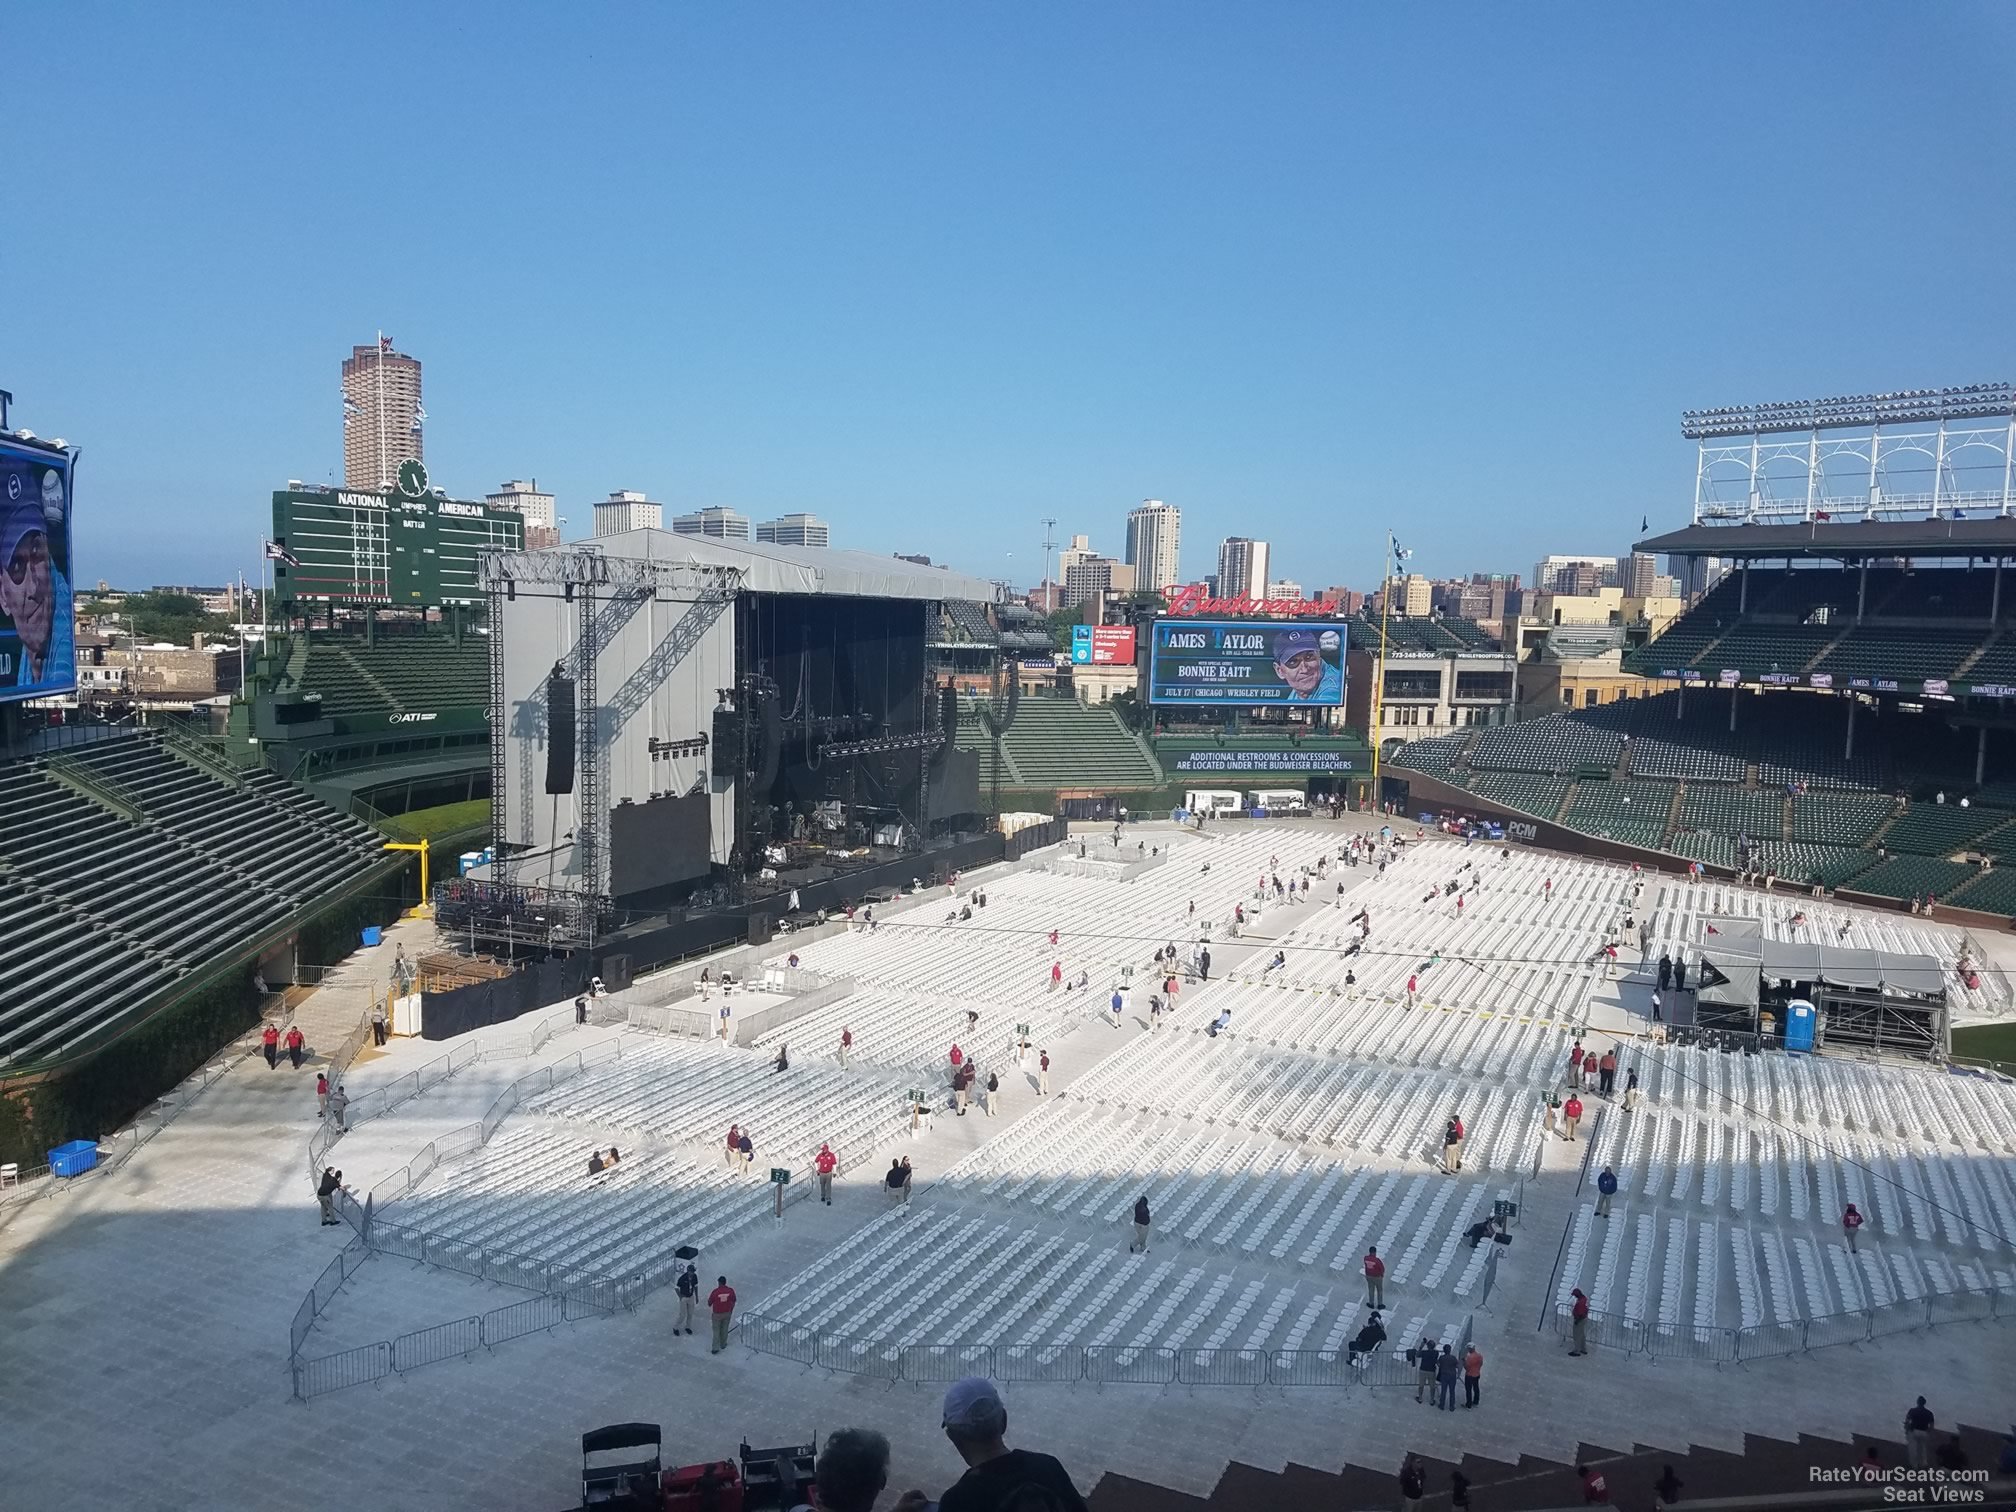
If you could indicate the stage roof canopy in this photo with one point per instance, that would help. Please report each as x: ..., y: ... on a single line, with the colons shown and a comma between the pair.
x: 799, y: 569
x: 1830, y: 540
x: 1744, y: 958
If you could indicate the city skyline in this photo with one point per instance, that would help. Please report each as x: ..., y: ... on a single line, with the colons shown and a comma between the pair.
x: 1304, y: 314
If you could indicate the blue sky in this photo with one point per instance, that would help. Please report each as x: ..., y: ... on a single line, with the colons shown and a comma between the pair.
x: 936, y: 272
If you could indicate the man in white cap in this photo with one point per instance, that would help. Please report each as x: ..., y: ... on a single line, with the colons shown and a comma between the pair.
x: 997, y: 1478
x: 34, y: 593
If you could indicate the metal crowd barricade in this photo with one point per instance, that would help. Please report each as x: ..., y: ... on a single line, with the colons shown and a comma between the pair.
x: 1221, y: 1367
x: 1829, y: 1328
x: 1311, y: 1367
x: 463, y: 1336
x: 517, y: 1319
x: 859, y: 1356
x: 1116, y: 1364
x: 349, y: 1367
x: 1041, y: 1362
x: 945, y: 1362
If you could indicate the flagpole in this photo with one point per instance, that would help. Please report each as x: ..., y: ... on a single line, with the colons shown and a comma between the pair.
x: 1379, y: 675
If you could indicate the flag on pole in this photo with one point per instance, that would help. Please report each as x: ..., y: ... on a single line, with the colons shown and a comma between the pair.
x: 384, y: 342
x: 1821, y: 514
x: 275, y: 552
x: 1645, y: 522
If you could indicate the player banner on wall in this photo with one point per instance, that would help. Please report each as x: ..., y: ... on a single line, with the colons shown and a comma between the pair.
x: 37, y: 646
x: 1206, y: 662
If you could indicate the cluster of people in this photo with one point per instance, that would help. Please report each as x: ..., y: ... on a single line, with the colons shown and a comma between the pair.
x: 271, y: 1040
x: 603, y: 1160
x: 896, y: 1183
x: 740, y: 1152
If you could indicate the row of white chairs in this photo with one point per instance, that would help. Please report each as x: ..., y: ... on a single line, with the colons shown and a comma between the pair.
x: 679, y: 1091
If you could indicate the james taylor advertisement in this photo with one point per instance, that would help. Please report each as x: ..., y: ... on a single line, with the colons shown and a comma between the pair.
x: 37, y: 656
x: 1246, y: 662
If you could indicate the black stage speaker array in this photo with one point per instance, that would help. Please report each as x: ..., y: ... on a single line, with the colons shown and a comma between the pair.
x: 615, y: 971
x: 759, y: 929
x: 559, y: 733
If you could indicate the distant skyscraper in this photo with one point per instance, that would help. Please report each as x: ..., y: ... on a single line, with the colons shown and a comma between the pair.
x: 626, y: 509
x: 524, y: 497
x: 722, y: 524
x: 542, y: 524
x: 382, y: 415
x: 1242, y: 568
x: 794, y: 530
x: 1284, y: 588
x: 1636, y: 574
x: 1154, y: 543
x: 1550, y: 573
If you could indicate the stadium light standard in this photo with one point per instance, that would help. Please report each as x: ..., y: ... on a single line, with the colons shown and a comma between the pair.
x: 1394, y: 553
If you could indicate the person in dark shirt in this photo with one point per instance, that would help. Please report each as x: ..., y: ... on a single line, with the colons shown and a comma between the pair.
x: 997, y: 1478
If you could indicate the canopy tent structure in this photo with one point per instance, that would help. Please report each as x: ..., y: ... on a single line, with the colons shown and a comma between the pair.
x: 1868, y: 999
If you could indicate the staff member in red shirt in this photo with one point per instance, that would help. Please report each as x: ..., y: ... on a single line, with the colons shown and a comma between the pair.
x: 824, y: 1162
x: 1850, y: 1221
x: 295, y: 1042
x: 721, y: 1303
x: 1571, y: 1115
x: 270, y: 1038
x: 1375, y: 1279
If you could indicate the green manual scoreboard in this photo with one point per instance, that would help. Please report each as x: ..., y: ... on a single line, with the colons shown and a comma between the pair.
x: 409, y: 548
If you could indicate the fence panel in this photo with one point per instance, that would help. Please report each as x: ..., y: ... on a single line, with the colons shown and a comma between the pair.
x: 858, y: 1357
x: 351, y: 1367
x: 1901, y: 1318
x: 421, y: 1166
x: 328, y: 1284
x: 1762, y: 1343
x: 521, y: 1318
x: 464, y: 1336
x: 1039, y: 1362
x: 1311, y: 1367
x: 1387, y: 1366
x: 460, y: 1142
x: 945, y: 1362
x: 398, y: 1184
x: 435, y: 1072
x: 591, y: 1299
x: 448, y: 1255
x: 506, y: 1104
x: 772, y: 1336
x: 1222, y: 1367
x: 1116, y: 1364
x: 396, y: 1239
x: 1834, y: 1328
x: 1959, y: 1306
x: 521, y: 1271
x: 1714, y: 1346
x: 607, y: 1050
x: 304, y: 1319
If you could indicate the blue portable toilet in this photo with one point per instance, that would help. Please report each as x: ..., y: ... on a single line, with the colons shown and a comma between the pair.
x: 1800, y: 1022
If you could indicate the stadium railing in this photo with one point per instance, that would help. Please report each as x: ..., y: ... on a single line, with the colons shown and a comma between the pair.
x: 1102, y: 1364
x: 1724, y: 1346
x: 458, y: 1338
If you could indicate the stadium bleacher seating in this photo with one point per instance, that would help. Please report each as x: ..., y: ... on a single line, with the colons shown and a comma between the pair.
x: 1732, y: 811
x: 1941, y: 829
x: 1534, y: 793
x: 1837, y: 821
x: 1555, y: 744
x: 1802, y: 861
x: 1901, y: 652
x: 1063, y: 743
x: 1913, y: 877
x: 1608, y: 808
x: 1990, y: 891
x: 209, y: 863
x: 396, y: 674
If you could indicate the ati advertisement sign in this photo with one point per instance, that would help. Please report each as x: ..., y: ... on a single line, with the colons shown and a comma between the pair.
x: 1102, y: 645
x: 1300, y: 762
x: 1230, y: 662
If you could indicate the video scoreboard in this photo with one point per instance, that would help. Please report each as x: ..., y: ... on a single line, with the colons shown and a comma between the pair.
x: 407, y: 550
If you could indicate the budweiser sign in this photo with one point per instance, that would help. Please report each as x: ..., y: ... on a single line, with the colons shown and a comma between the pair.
x: 1191, y: 600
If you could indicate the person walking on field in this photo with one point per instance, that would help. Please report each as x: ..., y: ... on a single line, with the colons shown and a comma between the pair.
x: 1452, y: 1143
x: 321, y: 1094
x: 378, y: 1023
x: 1574, y: 1064
x: 295, y: 1044
x: 1607, y: 1069
x: 1413, y: 1483
x: 846, y: 1046
x: 1571, y: 1115
x: 1425, y: 1357
x: 1043, y: 1074
x: 1141, y: 1221
x: 993, y: 1094
x: 1606, y: 1188
x: 1473, y: 1373
x: 1413, y: 988
x: 734, y: 1145
x: 1850, y: 1222
x: 1631, y: 1087
x: 269, y: 1039
x: 1375, y: 1278
x: 747, y: 1147
x: 1578, y: 1317
x: 823, y: 1163
x: 721, y: 1303
x: 688, y: 1288
x: 339, y: 1108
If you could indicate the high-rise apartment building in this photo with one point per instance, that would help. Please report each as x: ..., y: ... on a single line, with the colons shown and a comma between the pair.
x: 722, y: 524
x: 1242, y: 568
x: 1549, y: 572
x: 626, y: 509
x: 542, y: 522
x: 794, y: 530
x: 382, y: 416
x: 1637, y: 573
x: 1412, y: 595
x: 1089, y: 580
x: 1154, y: 543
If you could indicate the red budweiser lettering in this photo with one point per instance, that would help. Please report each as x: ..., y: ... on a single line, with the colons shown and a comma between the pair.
x: 1191, y: 600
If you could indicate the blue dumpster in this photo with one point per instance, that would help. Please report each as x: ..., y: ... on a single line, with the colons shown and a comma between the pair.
x: 373, y: 935
x: 74, y: 1158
